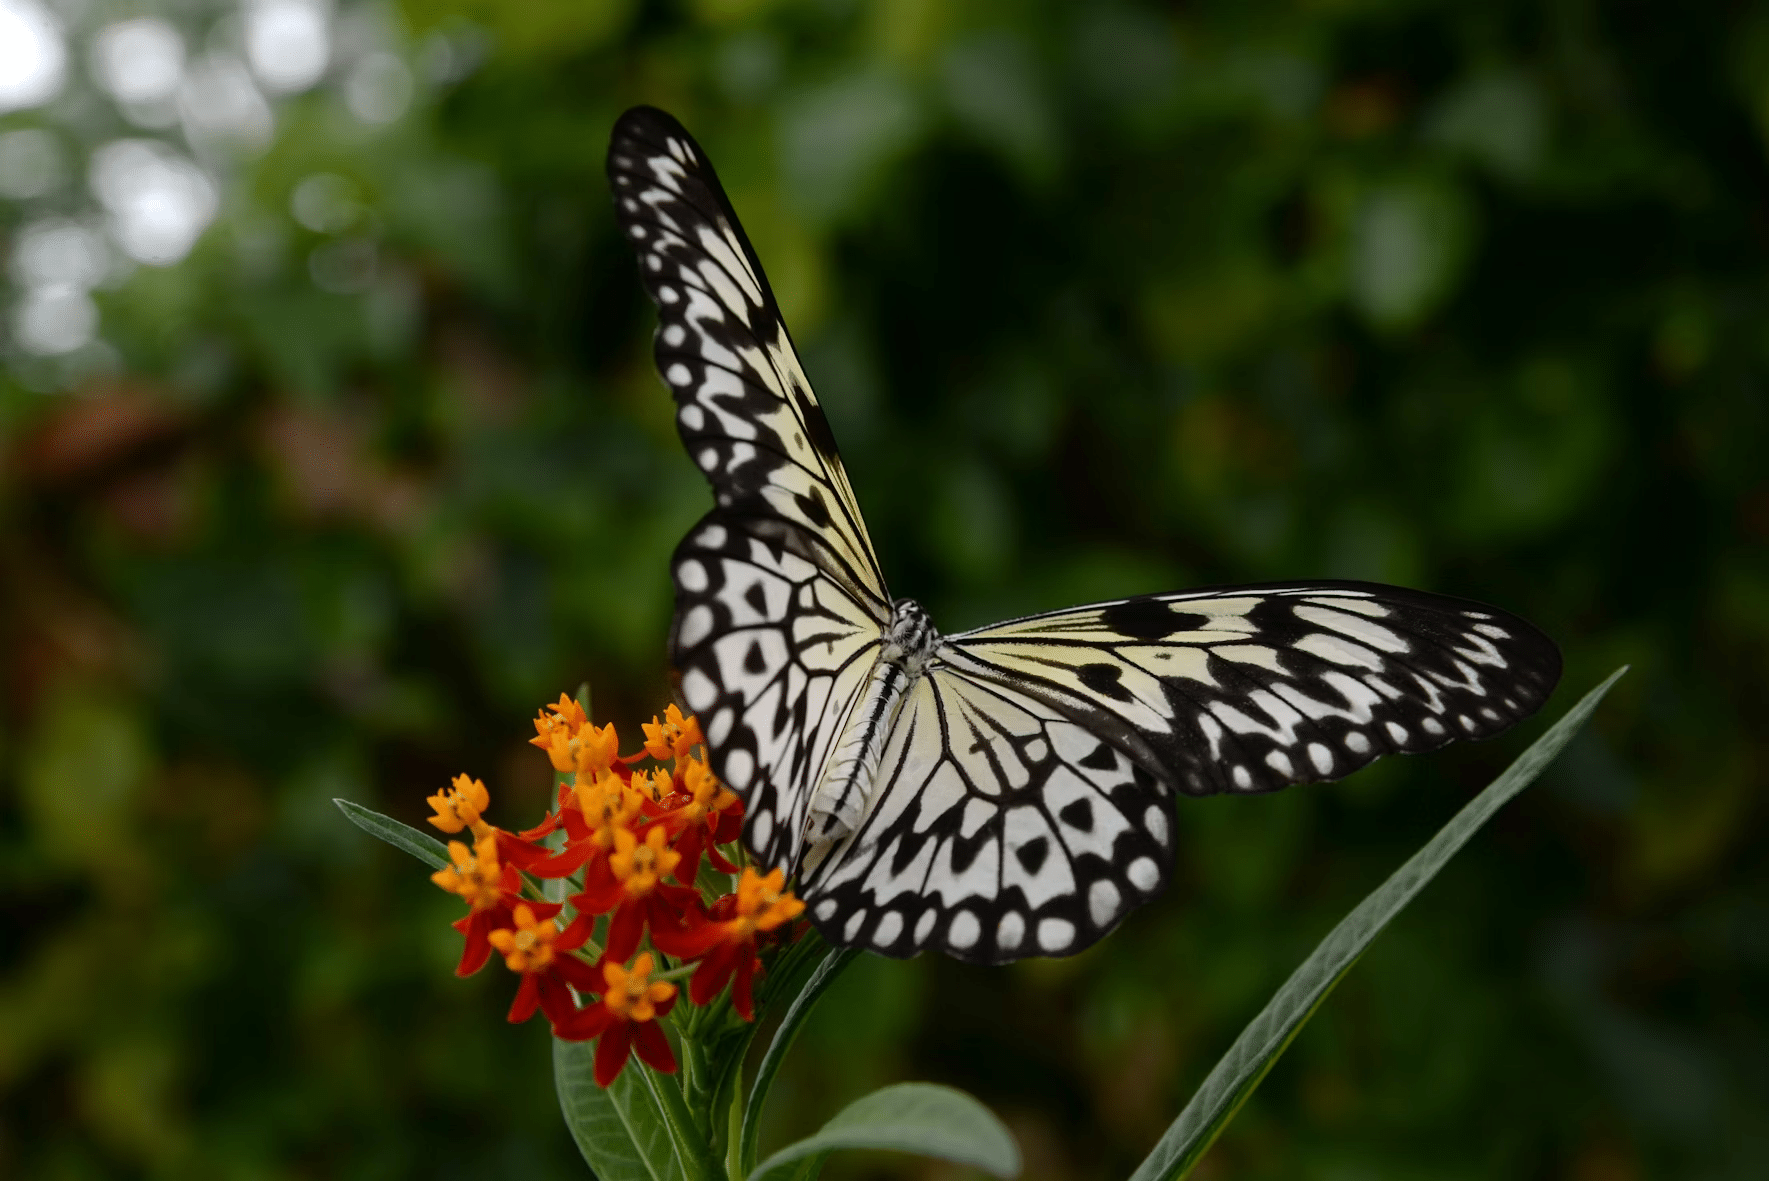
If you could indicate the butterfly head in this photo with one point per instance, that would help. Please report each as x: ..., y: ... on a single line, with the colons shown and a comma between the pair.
x: 912, y: 636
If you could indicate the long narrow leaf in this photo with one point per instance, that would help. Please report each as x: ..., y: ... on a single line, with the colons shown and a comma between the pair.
x: 1260, y: 1044
x: 922, y: 1118
x: 421, y: 845
x: 831, y: 967
x: 621, y: 1131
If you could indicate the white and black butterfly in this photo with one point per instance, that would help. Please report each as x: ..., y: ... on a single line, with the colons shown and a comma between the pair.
x: 1007, y: 791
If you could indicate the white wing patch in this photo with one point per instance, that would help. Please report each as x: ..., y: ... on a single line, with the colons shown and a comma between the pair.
x: 772, y: 655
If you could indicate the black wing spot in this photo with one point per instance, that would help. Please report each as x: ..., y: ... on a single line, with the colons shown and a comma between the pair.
x: 1033, y: 853
x: 1102, y: 759
x: 1078, y: 815
x: 813, y: 507
x: 757, y: 598
x: 755, y: 663
x: 1149, y: 619
x: 905, y: 854
x: 1103, y: 679
x: 964, y: 852
x: 816, y: 425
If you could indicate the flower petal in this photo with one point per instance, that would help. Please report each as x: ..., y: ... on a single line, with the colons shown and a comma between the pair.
x: 611, y: 1052
x: 654, y: 1048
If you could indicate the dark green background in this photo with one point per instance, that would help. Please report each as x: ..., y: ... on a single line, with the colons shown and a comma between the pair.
x: 1101, y: 299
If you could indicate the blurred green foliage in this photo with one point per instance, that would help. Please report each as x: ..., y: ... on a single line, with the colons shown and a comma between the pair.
x: 1103, y: 298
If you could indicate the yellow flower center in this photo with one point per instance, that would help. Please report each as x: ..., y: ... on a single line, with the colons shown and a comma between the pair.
x: 529, y: 947
x: 763, y: 903
x: 459, y: 806
x: 476, y: 876
x: 640, y: 865
x: 630, y: 994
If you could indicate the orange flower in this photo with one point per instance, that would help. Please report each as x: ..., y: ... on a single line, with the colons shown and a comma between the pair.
x: 625, y: 1019
x: 708, y: 817
x: 630, y: 883
x: 673, y: 737
x: 475, y: 875
x: 630, y: 996
x: 638, y: 865
x: 656, y: 786
x: 491, y: 887
x: 764, y: 902
x: 536, y: 949
x: 727, y: 937
x: 608, y: 806
x: 567, y: 715
x: 529, y: 947
x: 604, y: 807
x: 573, y: 743
x: 459, y: 806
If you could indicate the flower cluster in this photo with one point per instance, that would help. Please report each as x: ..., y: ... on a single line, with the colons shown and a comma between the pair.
x: 630, y: 842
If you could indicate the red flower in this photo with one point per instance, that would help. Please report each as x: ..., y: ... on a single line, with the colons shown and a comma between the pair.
x: 627, y: 832
x: 727, y: 937
x: 625, y: 1019
x: 600, y: 807
x: 704, y: 815
x: 491, y: 888
x: 535, y: 948
x: 629, y: 881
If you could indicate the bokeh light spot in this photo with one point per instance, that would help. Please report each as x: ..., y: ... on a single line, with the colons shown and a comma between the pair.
x: 57, y: 251
x: 138, y: 61
x: 33, y: 59
x: 159, y: 202
x: 55, y: 319
x: 288, y: 44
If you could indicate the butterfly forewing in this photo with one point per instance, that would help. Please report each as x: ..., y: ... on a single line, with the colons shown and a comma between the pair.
x: 1251, y: 689
x: 744, y: 407
x: 1005, y: 829
x: 780, y: 605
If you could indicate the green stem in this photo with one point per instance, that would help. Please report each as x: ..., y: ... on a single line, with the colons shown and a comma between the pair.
x: 691, y: 1150
x: 827, y: 971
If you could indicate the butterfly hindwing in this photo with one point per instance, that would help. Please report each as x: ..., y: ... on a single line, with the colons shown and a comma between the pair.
x: 772, y: 653
x: 1251, y: 689
x: 1001, y: 828
x: 744, y: 407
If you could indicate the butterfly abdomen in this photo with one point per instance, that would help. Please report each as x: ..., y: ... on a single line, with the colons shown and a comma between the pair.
x: 839, y: 801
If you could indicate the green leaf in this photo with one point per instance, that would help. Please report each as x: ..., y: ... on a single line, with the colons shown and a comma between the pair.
x: 831, y: 967
x: 806, y: 1169
x: 1259, y: 1045
x: 421, y: 845
x: 621, y: 1130
x: 921, y: 1118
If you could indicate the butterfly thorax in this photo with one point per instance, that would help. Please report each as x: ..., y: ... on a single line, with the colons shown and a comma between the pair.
x: 840, y: 799
x: 911, y: 638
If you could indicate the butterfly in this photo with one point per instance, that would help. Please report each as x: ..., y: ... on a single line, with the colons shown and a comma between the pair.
x: 1007, y: 791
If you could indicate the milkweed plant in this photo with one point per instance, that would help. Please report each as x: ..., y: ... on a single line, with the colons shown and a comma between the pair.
x: 637, y: 927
